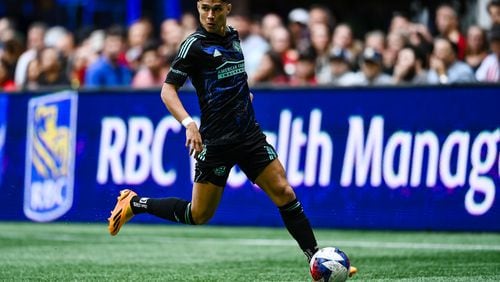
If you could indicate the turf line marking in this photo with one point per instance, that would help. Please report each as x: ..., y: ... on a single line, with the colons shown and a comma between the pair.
x: 289, y: 242
x: 373, y: 244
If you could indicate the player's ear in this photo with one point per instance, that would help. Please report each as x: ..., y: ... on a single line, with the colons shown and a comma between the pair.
x: 229, y: 7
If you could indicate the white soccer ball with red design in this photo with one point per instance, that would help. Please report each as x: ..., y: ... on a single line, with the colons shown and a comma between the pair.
x: 330, y: 265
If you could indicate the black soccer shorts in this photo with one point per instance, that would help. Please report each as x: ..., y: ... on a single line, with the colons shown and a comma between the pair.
x: 215, y: 162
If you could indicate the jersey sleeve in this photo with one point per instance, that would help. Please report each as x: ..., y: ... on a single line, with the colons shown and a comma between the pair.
x: 182, y: 65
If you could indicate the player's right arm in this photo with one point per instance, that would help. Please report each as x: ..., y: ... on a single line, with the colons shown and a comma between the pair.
x: 181, y: 68
x: 170, y: 97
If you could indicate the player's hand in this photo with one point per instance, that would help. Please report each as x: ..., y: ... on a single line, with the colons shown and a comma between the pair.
x: 193, y: 139
x: 251, y: 97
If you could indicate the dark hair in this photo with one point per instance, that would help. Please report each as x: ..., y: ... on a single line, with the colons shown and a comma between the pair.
x: 494, y: 33
x: 150, y: 45
x: 40, y: 25
x: 116, y: 30
x: 451, y: 6
x: 332, y: 19
x: 454, y: 46
x: 307, y: 55
x: 226, y: 1
x: 493, y: 3
x: 279, y: 69
x: 400, y: 14
x: 420, y: 54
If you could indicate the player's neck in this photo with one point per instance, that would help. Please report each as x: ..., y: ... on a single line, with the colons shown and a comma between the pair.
x: 222, y: 31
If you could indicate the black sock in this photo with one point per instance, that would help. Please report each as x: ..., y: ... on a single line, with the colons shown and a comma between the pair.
x: 299, y: 227
x: 173, y: 209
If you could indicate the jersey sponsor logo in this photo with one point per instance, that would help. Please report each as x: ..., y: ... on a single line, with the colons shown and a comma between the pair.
x: 178, y: 72
x: 50, y: 156
x: 3, y: 130
x: 230, y: 68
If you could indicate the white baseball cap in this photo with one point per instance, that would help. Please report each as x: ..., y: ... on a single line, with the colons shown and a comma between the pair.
x: 299, y: 15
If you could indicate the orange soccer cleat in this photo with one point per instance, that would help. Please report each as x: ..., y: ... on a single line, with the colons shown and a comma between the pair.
x: 352, y: 270
x: 122, y: 211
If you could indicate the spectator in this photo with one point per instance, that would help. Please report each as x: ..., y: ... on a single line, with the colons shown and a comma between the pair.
x: 253, y: 46
x: 489, y: 70
x: 447, y: 23
x: 420, y: 37
x: 152, y: 71
x: 78, y: 67
x: 5, y: 25
x: 320, y: 42
x: 35, y: 43
x: 343, y: 38
x: 395, y: 42
x: 93, y: 45
x: 319, y: 14
x: 400, y: 23
x: 189, y: 23
x: 171, y: 34
x: 298, y: 20
x: 282, y: 45
x: 477, y: 46
x: 12, y: 49
x: 494, y: 11
x: 371, y: 71
x: 409, y: 68
x: 51, y: 68
x: 87, y: 53
x: 269, y: 23
x: 33, y: 72
x: 305, y: 73
x: 445, y: 68
x: 375, y: 40
x: 340, y: 65
x: 138, y: 34
x: 416, y: 34
x: 60, y: 38
x: 107, y: 70
x: 6, y: 82
x: 270, y: 70
x: 7, y: 29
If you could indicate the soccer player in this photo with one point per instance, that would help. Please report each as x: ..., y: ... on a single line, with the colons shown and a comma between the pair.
x: 228, y: 134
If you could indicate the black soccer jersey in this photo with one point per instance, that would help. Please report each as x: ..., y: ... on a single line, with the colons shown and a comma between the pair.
x: 216, y: 67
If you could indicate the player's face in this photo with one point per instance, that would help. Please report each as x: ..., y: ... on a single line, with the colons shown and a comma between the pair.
x: 213, y: 14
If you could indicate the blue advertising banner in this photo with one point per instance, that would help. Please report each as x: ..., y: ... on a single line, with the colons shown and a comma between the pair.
x: 387, y: 158
x: 50, y: 147
x: 3, y: 130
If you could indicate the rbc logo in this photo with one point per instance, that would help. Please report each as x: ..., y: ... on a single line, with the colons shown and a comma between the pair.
x: 50, y: 148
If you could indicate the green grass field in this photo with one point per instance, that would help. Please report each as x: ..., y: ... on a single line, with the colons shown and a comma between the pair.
x: 85, y: 252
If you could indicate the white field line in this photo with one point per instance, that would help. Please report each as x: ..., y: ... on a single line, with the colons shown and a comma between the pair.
x: 367, y: 244
x: 289, y: 242
x: 339, y: 243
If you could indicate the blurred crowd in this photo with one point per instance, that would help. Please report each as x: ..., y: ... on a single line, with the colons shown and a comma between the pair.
x: 306, y: 49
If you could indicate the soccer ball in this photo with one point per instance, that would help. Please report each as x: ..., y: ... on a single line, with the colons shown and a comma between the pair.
x: 329, y: 265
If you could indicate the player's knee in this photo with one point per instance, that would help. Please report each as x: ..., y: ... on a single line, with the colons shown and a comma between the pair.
x: 284, y: 194
x: 201, y: 217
